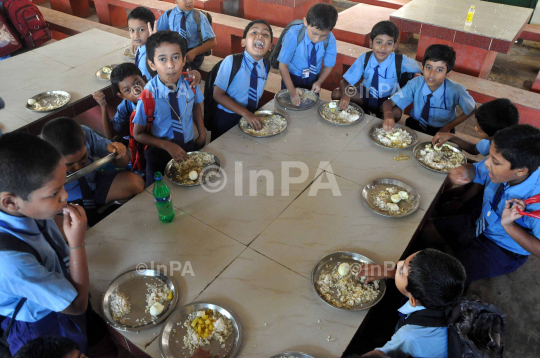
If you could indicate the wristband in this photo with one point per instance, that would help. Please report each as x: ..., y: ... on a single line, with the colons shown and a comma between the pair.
x: 77, y: 247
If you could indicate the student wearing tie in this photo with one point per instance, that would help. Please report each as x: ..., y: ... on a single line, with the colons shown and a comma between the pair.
x: 187, y: 21
x: 177, y: 106
x: 234, y: 101
x: 141, y: 24
x: 433, y: 95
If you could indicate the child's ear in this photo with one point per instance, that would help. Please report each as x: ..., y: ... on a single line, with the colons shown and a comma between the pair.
x: 243, y: 42
x: 413, y: 301
x: 120, y: 95
x: 8, y: 202
x: 152, y: 66
x: 522, y: 171
x: 305, y: 22
x: 370, y: 43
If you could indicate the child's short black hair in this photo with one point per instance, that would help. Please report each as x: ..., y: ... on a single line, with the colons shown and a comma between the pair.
x: 47, y: 347
x: 27, y: 163
x: 520, y: 145
x: 171, y: 37
x: 248, y: 27
x: 443, y: 53
x: 322, y: 17
x: 144, y: 14
x: 387, y: 28
x: 65, y: 134
x: 435, y: 279
x: 123, y: 71
x: 495, y: 115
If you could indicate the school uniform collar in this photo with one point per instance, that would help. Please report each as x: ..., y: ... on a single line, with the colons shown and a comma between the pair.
x: 250, y: 60
x: 383, y: 66
x: 162, y: 89
x: 439, y: 92
x: 180, y: 11
x: 142, y: 50
x: 18, y: 224
x: 407, y: 309
x: 307, y: 41
x: 525, y: 186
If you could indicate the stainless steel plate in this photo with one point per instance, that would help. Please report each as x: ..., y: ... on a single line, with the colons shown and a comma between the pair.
x: 171, y: 342
x: 357, y: 107
x: 87, y: 170
x: 292, y: 355
x: 49, y: 101
x: 129, y: 54
x: 243, y: 121
x: 133, y: 284
x: 407, y: 129
x: 308, y: 100
x: 102, y: 73
x: 207, y: 173
x: 420, y: 146
x: 351, y: 258
x: 378, y: 184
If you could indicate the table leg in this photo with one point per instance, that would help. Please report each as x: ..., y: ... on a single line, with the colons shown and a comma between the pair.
x: 111, y: 15
x: 80, y: 8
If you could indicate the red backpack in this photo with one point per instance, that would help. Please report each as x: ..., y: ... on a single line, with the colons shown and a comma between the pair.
x: 137, y: 149
x: 26, y: 19
x: 8, y: 40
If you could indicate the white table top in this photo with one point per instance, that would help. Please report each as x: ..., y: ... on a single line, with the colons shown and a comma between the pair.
x: 278, y: 238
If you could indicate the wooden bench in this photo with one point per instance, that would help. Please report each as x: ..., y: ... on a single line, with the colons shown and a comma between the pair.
x: 391, y: 4
x: 536, y: 85
x: 531, y: 33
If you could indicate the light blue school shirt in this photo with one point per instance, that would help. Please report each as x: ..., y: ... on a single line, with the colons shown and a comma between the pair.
x: 524, y: 190
x: 122, y: 115
x: 417, y: 341
x: 238, y: 90
x: 297, y: 57
x: 172, y: 23
x: 162, y: 126
x: 483, y: 146
x: 443, y: 103
x: 141, y: 62
x: 388, y: 81
x: 21, y: 275
x: 96, y: 146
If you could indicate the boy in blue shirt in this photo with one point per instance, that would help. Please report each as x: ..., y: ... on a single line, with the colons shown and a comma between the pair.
x: 177, y: 106
x: 199, y: 38
x: 374, y: 90
x: 141, y: 25
x: 496, y: 239
x: 53, y: 287
x: 431, y: 280
x: 434, y: 96
x: 234, y: 101
x: 79, y: 146
x: 300, y: 64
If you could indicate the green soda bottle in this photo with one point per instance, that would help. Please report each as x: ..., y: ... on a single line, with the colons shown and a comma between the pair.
x: 162, y: 196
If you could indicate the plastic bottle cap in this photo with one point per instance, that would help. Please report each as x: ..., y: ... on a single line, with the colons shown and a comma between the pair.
x: 157, y: 176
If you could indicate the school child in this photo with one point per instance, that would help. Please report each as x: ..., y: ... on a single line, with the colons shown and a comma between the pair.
x: 431, y: 280
x: 435, y: 97
x: 79, y: 146
x: 234, y: 100
x: 177, y: 106
x: 194, y: 26
x: 383, y: 71
x: 141, y: 24
x: 301, y: 62
x: 496, y: 239
x: 44, y: 282
x: 50, y: 347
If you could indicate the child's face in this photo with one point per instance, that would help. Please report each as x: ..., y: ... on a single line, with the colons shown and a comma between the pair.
x: 45, y: 202
x: 402, y: 273
x: 185, y: 5
x: 131, y: 88
x: 315, y: 34
x: 168, y: 62
x: 76, y: 161
x: 138, y: 31
x: 434, y: 74
x: 75, y: 354
x: 499, y: 168
x: 481, y: 133
x: 257, y: 41
x: 383, y: 46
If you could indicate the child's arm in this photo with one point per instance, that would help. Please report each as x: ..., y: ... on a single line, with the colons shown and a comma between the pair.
x: 467, y: 146
x: 206, y: 46
x: 140, y: 135
x: 459, y: 119
x: 286, y: 77
x: 324, y: 75
x: 376, y: 272
x: 75, y: 230
x: 221, y: 97
x: 122, y: 158
x: 508, y: 221
x: 110, y: 133
x: 199, y: 123
x: 462, y: 175
x: 389, y: 121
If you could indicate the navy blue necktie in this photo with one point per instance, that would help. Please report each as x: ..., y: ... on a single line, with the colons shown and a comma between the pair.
x: 137, y: 58
x: 313, y: 64
x: 175, y: 116
x: 253, y: 97
x: 183, y: 30
x: 425, y: 112
x: 374, y: 90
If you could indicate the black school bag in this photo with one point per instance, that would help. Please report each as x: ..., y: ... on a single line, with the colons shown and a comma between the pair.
x: 475, y: 328
x: 403, y: 78
x: 277, y: 49
x: 210, y: 105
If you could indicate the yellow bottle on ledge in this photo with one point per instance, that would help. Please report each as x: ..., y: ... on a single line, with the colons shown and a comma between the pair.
x: 470, y: 14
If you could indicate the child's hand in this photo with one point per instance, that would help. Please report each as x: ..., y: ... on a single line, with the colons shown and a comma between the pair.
x: 74, y: 224
x: 459, y: 176
x: 510, y: 213
x: 134, y: 48
x: 295, y: 97
x: 201, y: 141
x: 151, y: 30
x: 254, y: 121
x: 195, y: 76
x: 375, y: 272
x: 388, y: 123
x: 441, y: 137
x: 316, y: 87
x: 190, y: 56
x: 118, y: 148
x: 201, y: 353
x: 176, y: 152
x: 100, y: 98
x: 344, y: 102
